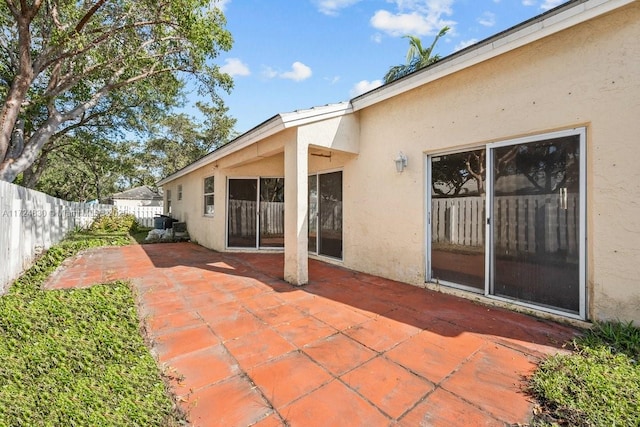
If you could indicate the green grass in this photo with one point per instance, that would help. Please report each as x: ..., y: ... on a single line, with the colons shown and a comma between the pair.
x: 77, y: 357
x: 597, y: 385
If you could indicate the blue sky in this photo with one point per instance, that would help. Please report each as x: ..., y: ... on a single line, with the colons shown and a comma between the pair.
x: 296, y: 54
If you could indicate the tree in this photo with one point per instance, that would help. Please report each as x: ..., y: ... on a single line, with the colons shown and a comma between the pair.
x: 417, y: 57
x: 180, y: 141
x: 452, y: 172
x: 86, y: 168
x: 65, y: 65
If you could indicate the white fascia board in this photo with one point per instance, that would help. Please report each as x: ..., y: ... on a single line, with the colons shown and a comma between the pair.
x: 520, y: 36
x: 303, y: 117
x: 272, y: 126
x: 266, y: 129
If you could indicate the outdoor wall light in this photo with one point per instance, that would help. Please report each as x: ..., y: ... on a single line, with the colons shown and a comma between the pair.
x: 401, y: 162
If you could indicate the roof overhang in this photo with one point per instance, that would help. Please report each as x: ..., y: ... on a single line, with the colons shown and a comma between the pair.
x: 274, y: 125
x: 556, y: 20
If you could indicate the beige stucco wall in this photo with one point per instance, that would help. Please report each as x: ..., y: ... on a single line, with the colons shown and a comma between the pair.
x: 586, y: 76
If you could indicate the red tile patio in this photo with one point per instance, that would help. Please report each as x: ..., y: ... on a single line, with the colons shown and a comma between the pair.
x: 244, y: 348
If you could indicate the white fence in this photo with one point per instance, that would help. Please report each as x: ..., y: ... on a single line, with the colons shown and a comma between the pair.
x: 540, y: 223
x: 144, y: 214
x: 31, y: 222
x: 243, y: 214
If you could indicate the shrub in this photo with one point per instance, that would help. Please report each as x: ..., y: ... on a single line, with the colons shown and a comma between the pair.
x: 115, y: 222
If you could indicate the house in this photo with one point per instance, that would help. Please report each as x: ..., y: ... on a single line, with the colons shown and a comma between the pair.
x: 506, y: 173
x: 138, y: 196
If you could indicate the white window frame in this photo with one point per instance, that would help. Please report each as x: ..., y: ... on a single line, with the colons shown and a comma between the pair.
x: 205, y: 194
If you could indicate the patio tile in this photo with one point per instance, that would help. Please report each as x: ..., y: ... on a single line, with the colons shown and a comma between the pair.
x: 162, y: 323
x: 305, y: 330
x: 444, y: 409
x: 390, y: 387
x: 381, y: 334
x: 436, y: 352
x: 184, y: 341
x: 342, y: 317
x: 262, y: 301
x: 338, y: 353
x: 334, y: 404
x: 272, y: 420
x: 234, y: 402
x: 253, y: 349
x: 161, y: 307
x: 242, y: 324
x: 279, y: 314
x: 493, y: 379
x: 201, y: 368
x: 287, y: 378
x: 246, y: 348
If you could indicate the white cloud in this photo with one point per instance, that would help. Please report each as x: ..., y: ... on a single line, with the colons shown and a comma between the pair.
x: 269, y: 72
x: 364, y: 86
x: 332, y: 7
x: 550, y: 4
x: 298, y: 72
x: 235, y: 67
x: 465, y: 43
x: 546, y: 4
x: 487, y: 19
x: 416, y: 17
x: 332, y: 80
x: 376, y: 38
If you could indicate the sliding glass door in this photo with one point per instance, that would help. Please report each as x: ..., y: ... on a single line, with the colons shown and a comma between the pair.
x: 254, y: 221
x: 242, y: 213
x: 458, y: 219
x: 325, y: 214
x: 508, y: 220
x: 536, y: 189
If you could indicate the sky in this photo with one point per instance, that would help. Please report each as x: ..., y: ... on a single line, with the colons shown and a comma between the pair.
x: 296, y: 54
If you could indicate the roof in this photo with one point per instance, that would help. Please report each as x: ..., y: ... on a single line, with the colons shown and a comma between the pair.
x: 143, y: 192
x: 553, y: 21
x: 272, y: 126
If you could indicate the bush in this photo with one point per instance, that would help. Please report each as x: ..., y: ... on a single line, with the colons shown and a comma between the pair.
x: 115, y: 222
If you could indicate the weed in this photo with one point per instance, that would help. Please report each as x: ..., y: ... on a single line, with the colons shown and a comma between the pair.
x: 597, y: 385
x: 76, y: 357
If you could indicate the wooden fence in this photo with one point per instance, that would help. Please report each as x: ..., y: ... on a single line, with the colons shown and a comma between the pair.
x: 533, y: 224
x: 31, y: 222
x: 243, y: 215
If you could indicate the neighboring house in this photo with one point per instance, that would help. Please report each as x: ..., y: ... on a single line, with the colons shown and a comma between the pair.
x: 138, y: 196
x: 520, y: 187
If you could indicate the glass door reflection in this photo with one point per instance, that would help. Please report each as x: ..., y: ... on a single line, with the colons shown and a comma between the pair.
x: 536, y: 222
x: 458, y: 218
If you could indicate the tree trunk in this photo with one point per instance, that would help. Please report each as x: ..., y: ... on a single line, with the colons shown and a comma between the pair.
x: 11, y: 168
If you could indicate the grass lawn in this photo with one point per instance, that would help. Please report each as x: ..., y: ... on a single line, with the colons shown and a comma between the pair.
x: 597, y: 385
x: 77, y: 357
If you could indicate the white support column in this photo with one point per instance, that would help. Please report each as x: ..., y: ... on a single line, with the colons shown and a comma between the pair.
x: 296, y: 262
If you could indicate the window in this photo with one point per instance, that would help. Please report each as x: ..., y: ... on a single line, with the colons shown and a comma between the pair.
x: 179, y: 192
x: 208, y: 195
x: 168, y: 205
